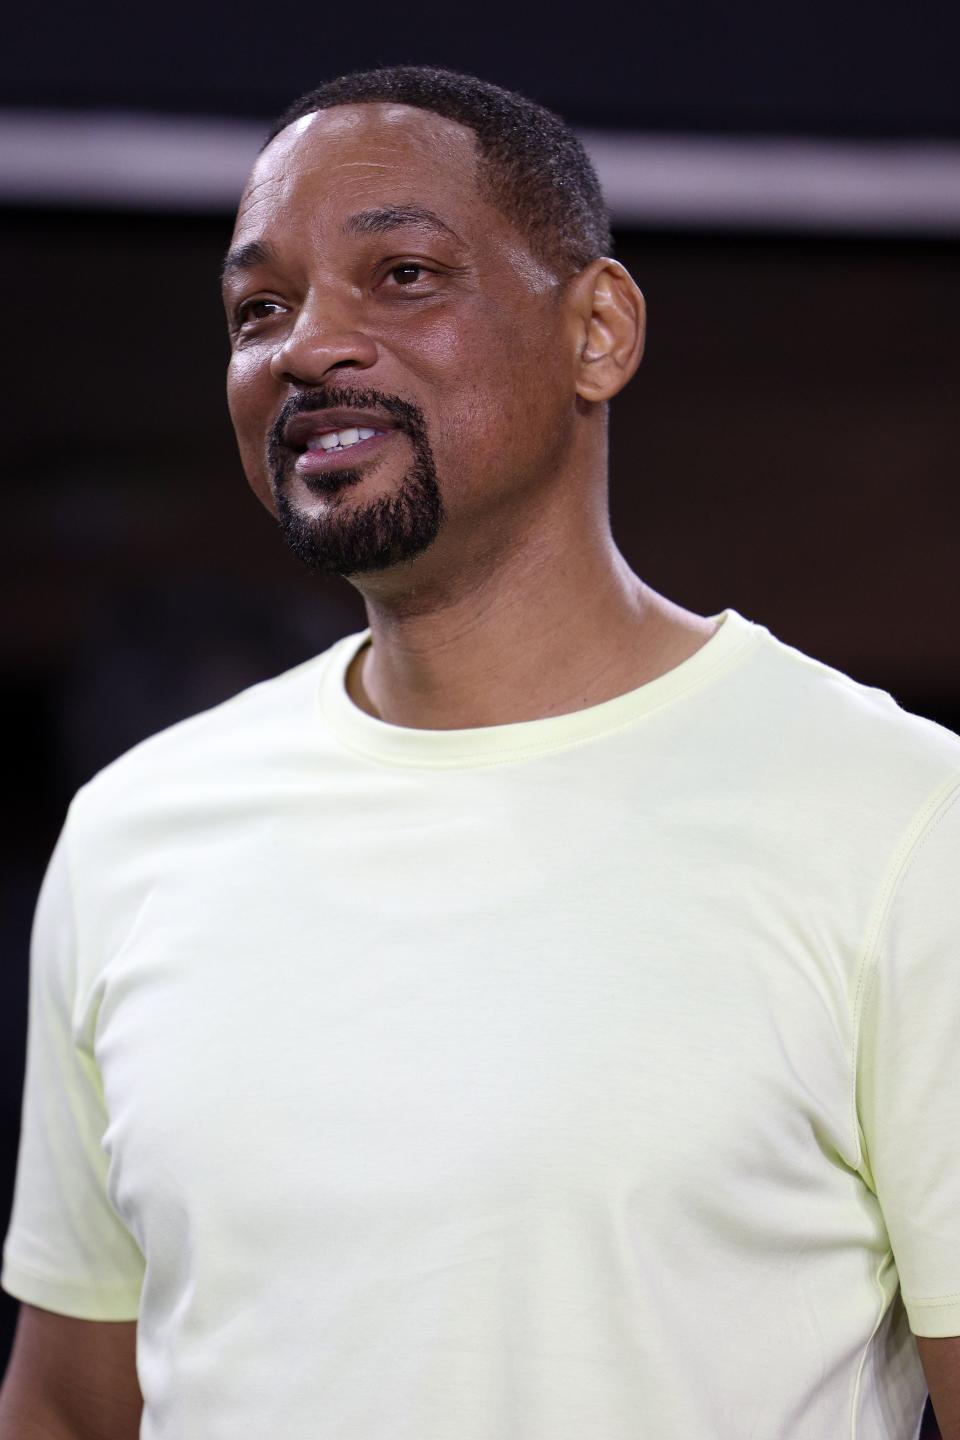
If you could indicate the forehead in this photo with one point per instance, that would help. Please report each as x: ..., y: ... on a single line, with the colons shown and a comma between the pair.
x: 353, y: 156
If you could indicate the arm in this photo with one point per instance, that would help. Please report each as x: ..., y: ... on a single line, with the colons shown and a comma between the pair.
x: 941, y: 1366
x: 908, y: 1088
x: 71, y: 1379
x: 66, y: 1249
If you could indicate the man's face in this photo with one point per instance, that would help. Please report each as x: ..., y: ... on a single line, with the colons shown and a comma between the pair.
x: 372, y: 289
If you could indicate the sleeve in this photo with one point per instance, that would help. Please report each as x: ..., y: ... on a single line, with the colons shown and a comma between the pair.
x: 909, y: 1073
x: 66, y: 1249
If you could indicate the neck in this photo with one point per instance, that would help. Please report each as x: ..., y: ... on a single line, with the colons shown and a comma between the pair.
x: 544, y: 630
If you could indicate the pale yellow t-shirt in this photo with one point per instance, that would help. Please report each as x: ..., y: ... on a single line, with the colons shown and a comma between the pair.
x: 588, y: 1078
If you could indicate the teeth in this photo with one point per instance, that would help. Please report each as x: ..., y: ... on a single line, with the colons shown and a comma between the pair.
x: 340, y: 439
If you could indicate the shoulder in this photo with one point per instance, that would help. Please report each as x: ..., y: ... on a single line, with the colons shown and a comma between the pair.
x: 824, y: 714
x: 831, y: 759
x: 206, y: 757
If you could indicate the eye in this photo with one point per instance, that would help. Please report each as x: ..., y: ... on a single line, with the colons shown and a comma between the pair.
x: 408, y: 273
x: 251, y: 310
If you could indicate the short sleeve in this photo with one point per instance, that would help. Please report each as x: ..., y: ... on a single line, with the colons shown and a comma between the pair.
x: 66, y: 1249
x: 909, y: 1073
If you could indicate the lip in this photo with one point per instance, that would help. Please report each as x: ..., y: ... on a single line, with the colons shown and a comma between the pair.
x: 303, y: 427
x: 318, y: 462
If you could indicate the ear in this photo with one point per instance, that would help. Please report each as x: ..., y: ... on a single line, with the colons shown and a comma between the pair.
x: 610, y: 327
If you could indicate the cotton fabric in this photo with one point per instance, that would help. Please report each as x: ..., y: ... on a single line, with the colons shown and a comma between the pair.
x: 587, y: 1076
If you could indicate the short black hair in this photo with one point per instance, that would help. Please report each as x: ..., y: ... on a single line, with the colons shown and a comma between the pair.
x: 532, y: 166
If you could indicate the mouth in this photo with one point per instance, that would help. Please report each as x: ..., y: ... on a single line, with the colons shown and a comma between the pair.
x: 335, y: 439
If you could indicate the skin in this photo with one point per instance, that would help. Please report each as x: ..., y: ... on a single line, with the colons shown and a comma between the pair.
x: 940, y: 1359
x: 521, y: 607
x: 71, y: 1379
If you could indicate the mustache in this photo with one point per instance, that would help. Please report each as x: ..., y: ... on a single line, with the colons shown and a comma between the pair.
x: 405, y: 415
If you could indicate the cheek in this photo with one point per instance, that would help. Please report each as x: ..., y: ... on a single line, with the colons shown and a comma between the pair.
x: 245, y: 382
x: 501, y: 394
x: 248, y: 400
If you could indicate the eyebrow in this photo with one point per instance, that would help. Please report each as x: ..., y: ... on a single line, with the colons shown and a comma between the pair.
x: 248, y: 257
x: 364, y: 222
x: 390, y: 217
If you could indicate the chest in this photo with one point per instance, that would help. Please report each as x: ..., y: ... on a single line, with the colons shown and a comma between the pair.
x: 308, y: 1026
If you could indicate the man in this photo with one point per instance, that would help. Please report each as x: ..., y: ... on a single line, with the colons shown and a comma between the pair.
x: 533, y: 1018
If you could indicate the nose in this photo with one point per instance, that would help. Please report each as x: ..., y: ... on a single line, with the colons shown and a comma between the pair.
x: 322, y: 339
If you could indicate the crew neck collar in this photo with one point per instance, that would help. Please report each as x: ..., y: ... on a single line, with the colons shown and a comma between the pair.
x: 502, y: 744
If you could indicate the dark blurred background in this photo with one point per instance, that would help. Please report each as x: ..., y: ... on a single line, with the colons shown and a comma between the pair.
x: 785, y: 187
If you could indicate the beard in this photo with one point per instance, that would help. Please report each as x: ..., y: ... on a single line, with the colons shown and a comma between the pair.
x: 357, y: 539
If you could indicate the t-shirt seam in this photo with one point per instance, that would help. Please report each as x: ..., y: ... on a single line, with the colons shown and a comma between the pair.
x: 466, y: 762
x: 12, y: 1266
x: 922, y: 825
x: 72, y: 888
x: 80, y: 976
x: 882, y: 1308
x: 940, y: 1302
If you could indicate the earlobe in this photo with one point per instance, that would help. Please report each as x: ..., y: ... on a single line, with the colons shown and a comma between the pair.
x: 613, y: 318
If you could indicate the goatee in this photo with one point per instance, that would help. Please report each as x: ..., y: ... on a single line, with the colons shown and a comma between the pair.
x: 354, y: 539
